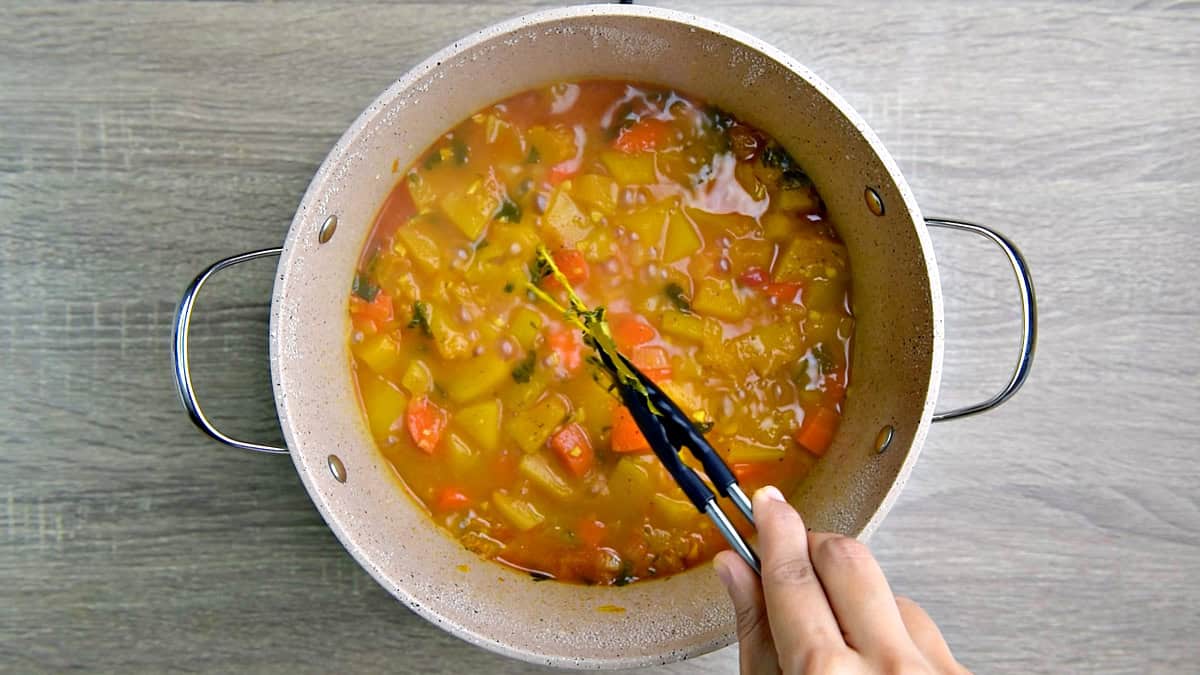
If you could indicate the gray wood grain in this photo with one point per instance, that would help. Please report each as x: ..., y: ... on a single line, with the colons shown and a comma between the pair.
x: 141, y: 141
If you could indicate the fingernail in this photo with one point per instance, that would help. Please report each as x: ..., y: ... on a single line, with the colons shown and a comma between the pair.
x: 723, y: 573
x: 771, y: 492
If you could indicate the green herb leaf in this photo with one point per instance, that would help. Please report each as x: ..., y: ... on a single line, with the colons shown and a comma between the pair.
x: 705, y: 426
x: 482, y: 243
x: 717, y: 118
x: 824, y: 358
x: 776, y: 157
x: 508, y: 288
x: 420, y: 318
x: 509, y: 211
x: 524, y: 370
x: 794, y: 179
x: 623, y: 119
x: 364, y: 288
x: 538, y: 270
x: 460, y: 150
x: 432, y: 160
x: 678, y: 297
x: 534, y: 156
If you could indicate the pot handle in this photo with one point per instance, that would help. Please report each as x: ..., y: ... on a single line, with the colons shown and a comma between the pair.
x: 1028, y: 318
x: 179, y: 353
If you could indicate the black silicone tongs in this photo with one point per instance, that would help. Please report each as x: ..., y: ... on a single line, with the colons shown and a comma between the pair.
x: 668, y: 430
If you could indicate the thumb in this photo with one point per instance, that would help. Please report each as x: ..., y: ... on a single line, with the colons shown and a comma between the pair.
x: 755, y: 647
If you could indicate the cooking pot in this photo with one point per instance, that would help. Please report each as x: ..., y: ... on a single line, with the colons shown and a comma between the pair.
x: 897, y: 359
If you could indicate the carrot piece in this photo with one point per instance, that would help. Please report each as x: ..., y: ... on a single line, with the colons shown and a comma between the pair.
x: 647, y: 134
x: 759, y: 473
x: 590, y: 531
x: 783, y: 293
x: 626, y: 436
x: 652, y: 361
x: 755, y: 276
x: 816, y: 433
x: 574, y: 448
x: 568, y: 347
x: 631, y: 330
x: 450, y: 499
x: 572, y: 264
x: 378, y: 310
x: 426, y: 422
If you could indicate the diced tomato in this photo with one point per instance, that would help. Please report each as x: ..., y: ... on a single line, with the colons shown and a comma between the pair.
x: 652, y: 361
x: 631, y: 330
x: 755, y: 276
x: 783, y: 293
x: 626, y: 436
x: 378, y: 310
x: 568, y: 346
x: 563, y: 170
x: 504, y: 470
x: 816, y: 433
x: 426, y: 423
x: 451, y: 499
x: 835, y: 390
x: 590, y: 531
x: 647, y: 134
x: 574, y: 448
x: 572, y: 264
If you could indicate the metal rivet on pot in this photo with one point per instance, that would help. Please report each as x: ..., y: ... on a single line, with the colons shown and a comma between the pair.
x: 327, y: 229
x: 337, y: 468
x: 884, y: 438
x: 874, y: 201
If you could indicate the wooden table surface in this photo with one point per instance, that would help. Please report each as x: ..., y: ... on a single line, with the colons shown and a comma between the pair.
x: 139, y: 142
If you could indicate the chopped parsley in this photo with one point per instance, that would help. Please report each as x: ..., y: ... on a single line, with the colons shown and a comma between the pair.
x: 420, y: 318
x: 824, y: 359
x: 678, y: 297
x: 718, y: 118
x: 794, y: 179
x: 460, y: 150
x: 622, y: 119
x: 364, y: 288
x: 534, y: 156
x: 509, y: 211
x: 524, y: 370
x: 432, y: 160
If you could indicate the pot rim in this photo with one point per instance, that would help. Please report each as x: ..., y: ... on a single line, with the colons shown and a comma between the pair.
x: 350, y: 138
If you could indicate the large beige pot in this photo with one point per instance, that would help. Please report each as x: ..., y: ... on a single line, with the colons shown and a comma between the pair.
x: 897, y: 301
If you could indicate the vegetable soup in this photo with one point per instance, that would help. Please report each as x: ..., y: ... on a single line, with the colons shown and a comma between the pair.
x: 723, y: 280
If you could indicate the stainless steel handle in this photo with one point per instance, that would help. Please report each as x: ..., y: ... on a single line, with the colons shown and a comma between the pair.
x: 1028, y: 318
x: 179, y: 352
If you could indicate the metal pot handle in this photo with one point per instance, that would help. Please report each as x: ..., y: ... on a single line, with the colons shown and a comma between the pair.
x: 1028, y: 318
x: 179, y: 353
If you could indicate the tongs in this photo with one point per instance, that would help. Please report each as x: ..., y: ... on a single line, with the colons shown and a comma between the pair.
x: 668, y: 430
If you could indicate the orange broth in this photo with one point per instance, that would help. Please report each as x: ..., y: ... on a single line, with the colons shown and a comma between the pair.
x: 723, y: 279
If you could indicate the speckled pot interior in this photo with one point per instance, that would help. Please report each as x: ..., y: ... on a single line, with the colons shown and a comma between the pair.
x: 896, y: 360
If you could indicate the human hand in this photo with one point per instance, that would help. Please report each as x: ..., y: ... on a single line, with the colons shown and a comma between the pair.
x: 824, y: 605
